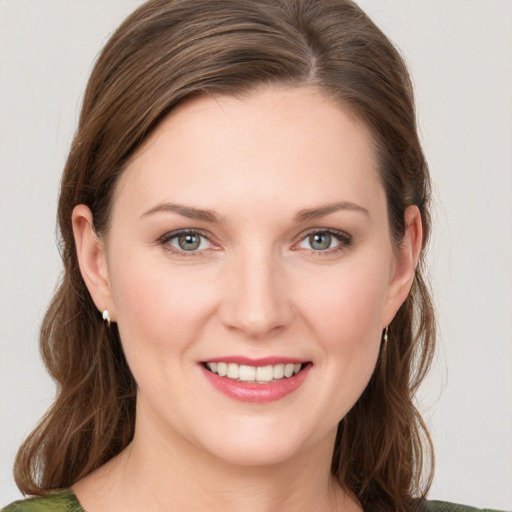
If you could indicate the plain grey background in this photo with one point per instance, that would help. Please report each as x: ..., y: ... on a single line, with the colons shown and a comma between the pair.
x: 460, y: 55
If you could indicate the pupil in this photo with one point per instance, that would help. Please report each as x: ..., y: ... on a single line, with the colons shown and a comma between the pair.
x: 320, y: 241
x: 189, y: 242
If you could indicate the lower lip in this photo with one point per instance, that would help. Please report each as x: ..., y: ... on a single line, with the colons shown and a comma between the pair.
x: 253, y: 392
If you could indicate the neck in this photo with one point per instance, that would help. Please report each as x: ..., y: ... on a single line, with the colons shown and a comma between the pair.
x: 158, y: 473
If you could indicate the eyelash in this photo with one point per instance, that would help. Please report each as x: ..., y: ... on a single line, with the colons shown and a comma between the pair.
x: 344, y: 242
x: 168, y: 237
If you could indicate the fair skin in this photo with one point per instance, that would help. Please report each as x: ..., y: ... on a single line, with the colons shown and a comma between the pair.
x: 292, y: 261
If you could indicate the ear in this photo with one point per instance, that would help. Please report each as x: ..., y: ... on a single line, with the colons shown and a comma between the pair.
x: 92, y: 259
x: 406, y: 260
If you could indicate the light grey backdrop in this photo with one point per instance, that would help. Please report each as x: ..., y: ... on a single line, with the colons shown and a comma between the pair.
x: 460, y: 54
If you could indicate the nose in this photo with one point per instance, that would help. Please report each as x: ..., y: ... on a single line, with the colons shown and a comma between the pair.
x: 255, y: 299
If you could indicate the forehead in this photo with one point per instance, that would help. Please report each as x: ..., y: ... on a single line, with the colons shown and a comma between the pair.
x: 274, y: 142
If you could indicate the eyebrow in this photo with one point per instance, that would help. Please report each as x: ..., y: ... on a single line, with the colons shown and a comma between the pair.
x: 210, y: 216
x: 322, y: 211
x: 185, y: 211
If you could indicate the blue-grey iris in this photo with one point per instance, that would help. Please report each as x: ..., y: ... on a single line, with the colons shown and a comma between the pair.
x: 189, y: 241
x: 320, y: 241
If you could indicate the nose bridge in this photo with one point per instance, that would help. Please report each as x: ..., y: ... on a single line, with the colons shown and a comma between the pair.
x: 256, y: 300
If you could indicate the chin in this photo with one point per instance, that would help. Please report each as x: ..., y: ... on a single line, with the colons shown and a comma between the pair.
x: 260, y: 447
x: 255, y: 456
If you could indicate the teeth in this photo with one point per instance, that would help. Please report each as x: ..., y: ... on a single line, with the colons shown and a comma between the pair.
x: 232, y: 371
x: 278, y: 371
x: 264, y: 373
x: 247, y: 373
x: 254, y: 373
x: 222, y: 369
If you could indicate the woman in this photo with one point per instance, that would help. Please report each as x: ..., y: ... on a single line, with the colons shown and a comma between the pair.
x: 243, y: 213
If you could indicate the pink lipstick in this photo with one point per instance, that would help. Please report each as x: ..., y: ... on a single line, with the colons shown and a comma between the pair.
x: 256, y: 380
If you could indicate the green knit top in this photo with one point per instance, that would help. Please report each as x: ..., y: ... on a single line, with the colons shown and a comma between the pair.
x: 65, y: 501
x: 55, y: 501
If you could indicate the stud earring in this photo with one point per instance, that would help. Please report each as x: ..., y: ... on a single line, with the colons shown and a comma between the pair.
x: 106, y: 317
x: 385, y: 337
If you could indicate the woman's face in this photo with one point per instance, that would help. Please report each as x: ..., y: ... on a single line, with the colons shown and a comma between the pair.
x: 250, y: 236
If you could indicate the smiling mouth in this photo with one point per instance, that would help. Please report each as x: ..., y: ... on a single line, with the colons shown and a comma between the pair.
x: 255, y: 374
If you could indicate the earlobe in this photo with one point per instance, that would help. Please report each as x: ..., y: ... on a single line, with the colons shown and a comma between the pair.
x: 92, y: 259
x: 407, y: 257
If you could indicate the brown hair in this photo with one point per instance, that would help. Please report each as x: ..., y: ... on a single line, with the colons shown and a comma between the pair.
x: 168, y: 50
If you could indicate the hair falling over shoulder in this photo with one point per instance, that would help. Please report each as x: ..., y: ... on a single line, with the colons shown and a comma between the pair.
x: 165, y: 52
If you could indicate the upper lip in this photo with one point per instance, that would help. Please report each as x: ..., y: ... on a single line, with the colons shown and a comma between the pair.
x: 260, y: 361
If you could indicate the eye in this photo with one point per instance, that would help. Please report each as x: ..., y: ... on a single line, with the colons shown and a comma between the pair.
x: 325, y: 240
x: 320, y: 241
x: 186, y: 241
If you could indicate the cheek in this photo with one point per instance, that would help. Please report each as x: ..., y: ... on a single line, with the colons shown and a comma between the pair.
x: 345, y: 316
x: 346, y: 305
x: 157, y: 307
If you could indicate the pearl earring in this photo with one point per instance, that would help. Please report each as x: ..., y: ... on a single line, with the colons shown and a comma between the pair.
x: 106, y: 317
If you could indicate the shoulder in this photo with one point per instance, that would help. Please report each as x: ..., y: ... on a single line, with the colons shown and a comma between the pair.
x: 444, y: 506
x: 55, y: 501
